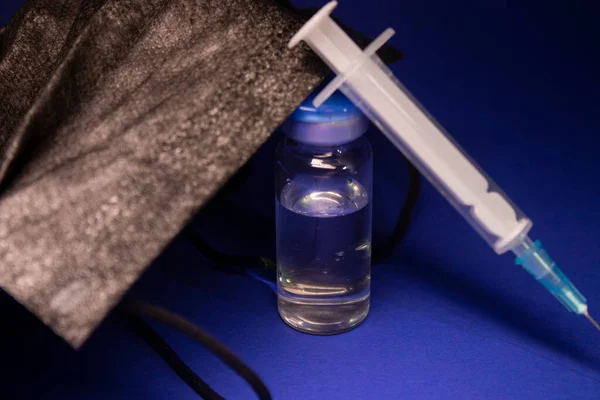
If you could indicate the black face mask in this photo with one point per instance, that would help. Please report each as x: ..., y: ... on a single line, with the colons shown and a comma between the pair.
x: 118, y: 121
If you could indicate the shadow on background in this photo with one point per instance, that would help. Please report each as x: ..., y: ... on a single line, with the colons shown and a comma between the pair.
x: 493, y: 305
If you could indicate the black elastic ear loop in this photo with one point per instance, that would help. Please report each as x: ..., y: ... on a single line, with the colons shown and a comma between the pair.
x: 229, y: 262
x: 385, y: 250
x: 137, y: 308
x: 162, y: 348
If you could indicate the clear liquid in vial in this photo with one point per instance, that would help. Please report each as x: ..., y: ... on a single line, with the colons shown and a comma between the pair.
x: 323, y: 255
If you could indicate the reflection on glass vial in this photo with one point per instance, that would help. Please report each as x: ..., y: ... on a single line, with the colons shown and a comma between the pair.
x: 323, y: 193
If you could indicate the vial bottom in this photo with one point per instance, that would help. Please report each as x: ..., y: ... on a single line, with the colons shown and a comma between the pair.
x: 323, y: 317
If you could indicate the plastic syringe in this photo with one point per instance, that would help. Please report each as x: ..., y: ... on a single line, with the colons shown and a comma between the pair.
x: 367, y: 82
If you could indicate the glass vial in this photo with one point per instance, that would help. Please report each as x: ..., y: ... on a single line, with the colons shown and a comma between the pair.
x: 323, y: 189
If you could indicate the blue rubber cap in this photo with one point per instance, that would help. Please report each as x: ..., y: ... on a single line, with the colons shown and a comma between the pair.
x: 336, y: 108
x: 336, y: 121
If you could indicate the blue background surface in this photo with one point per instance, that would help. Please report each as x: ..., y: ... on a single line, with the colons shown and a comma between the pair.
x: 517, y: 85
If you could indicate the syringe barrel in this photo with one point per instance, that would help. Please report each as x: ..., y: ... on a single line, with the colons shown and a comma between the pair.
x: 390, y: 106
x: 436, y: 155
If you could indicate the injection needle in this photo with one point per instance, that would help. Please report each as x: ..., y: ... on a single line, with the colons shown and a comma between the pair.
x: 592, y: 320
